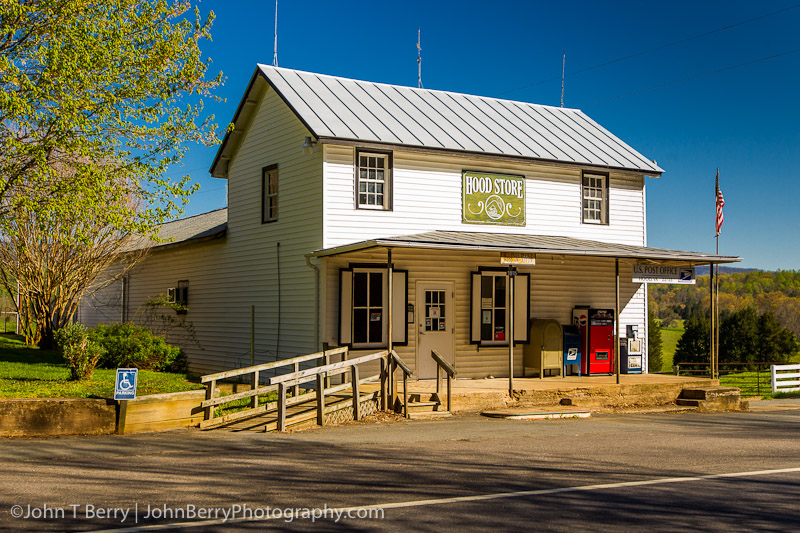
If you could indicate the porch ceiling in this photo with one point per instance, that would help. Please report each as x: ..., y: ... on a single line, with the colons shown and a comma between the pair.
x: 536, y: 244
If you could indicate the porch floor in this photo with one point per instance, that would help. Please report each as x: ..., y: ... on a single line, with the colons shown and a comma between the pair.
x: 556, y: 382
x: 634, y: 390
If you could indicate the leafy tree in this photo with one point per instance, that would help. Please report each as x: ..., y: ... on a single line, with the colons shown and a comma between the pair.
x: 97, y: 99
x: 694, y: 346
x: 112, y: 88
x: 654, y: 342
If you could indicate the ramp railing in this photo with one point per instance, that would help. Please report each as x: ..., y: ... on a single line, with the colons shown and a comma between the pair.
x: 212, y: 400
x: 389, y: 361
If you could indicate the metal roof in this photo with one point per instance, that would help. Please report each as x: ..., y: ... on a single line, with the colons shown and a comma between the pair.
x: 334, y: 108
x: 204, y: 226
x: 541, y: 244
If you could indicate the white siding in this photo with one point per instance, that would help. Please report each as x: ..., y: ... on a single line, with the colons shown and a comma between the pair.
x: 427, y: 196
x: 227, y: 276
x: 556, y: 288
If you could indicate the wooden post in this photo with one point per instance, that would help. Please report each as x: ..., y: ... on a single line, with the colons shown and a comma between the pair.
x: 405, y: 394
x: 210, y: 387
x: 254, y: 386
x: 449, y: 393
x: 393, y: 382
x: 281, y: 407
x: 326, y: 360
x: 356, y: 397
x: 390, y: 272
x: 320, y: 400
x: 616, y: 320
x: 384, y: 383
x: 123, y: 415
x: 510, y: 331
x: 296, y: 388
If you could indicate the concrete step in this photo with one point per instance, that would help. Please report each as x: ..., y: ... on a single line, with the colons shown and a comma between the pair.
x: 708, y: 393
x: 537, y: 413
x: 425, y: 415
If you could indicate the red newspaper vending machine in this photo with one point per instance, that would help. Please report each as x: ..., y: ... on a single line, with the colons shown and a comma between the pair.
x: 600, y: 342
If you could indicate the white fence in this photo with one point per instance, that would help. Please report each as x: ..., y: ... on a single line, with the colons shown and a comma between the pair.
x: 785, y: 378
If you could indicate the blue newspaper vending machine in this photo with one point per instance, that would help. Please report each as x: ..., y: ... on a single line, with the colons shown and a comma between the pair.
x: 572, y: 349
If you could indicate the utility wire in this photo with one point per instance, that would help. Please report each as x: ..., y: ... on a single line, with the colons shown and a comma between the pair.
x: 696, y: 76
x: 656, y: 49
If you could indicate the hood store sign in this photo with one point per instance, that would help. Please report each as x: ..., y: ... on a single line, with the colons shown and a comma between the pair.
x: 493, y: 199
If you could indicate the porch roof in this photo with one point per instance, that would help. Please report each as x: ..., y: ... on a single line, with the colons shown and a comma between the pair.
x: 536, y: 244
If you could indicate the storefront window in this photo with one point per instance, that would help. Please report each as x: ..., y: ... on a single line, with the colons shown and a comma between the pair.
x: 367, y: 307
x: 493, y: 308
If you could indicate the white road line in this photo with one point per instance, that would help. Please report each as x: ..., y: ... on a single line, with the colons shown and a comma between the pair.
x: 473, y: 498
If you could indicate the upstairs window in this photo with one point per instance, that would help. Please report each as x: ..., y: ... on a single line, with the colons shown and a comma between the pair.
x: 373, y: 180
x: 269, y: 194
x: 594, y: 194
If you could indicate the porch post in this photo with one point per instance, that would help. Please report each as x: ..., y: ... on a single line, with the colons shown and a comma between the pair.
x: 390, y: 268
x: 511, y: 277
x: 616, y: 320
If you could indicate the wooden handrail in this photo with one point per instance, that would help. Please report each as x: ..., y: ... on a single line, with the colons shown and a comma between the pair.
x: 445, y: 365
x: 450, y: 371
x: 269, y: 366
x: 311, y: 373
x: 403, y: 366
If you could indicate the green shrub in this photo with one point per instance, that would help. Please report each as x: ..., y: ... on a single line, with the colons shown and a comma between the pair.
x: 130, y: 346
x: 79, y: 351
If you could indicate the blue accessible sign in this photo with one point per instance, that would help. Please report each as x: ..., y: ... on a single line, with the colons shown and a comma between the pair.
x: 125, y: 385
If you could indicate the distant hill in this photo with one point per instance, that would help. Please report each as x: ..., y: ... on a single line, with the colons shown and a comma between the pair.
x: 703, y: 270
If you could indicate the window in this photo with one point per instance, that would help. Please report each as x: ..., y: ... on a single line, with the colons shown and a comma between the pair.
x: 269, y: 194
x: 493, y: 308
x: 373, y: 180
x: 364, y: 306
x: 594, y: 194
x: 179, y: 295
x: 491, y: 300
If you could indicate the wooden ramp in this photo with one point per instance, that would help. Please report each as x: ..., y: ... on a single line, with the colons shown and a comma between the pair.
x: 338, y: 408
x: 325, y: 404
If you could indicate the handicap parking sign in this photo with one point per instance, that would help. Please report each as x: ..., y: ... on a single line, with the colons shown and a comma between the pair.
x: 125, y: 385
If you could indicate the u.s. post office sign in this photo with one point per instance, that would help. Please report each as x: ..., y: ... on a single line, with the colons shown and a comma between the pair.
x: 492, y: 198
x: 644, y: 273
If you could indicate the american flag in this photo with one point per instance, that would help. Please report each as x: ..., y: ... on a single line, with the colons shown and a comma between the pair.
x: 720, y: 205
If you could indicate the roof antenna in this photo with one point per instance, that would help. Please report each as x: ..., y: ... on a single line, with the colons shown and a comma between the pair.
x: 563, y: 64
x: 275, y: 54
x: 419, y: 59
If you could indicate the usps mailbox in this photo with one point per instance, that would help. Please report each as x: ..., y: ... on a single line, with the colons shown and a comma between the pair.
x: 572, y: 350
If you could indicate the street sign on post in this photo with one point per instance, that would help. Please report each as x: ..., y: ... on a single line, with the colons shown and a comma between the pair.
x: 125, y: 384
x: 644, y: 273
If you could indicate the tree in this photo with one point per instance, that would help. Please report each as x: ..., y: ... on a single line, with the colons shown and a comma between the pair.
x: 694, y: 346
x: 97, y: 99
x: 738, y: 336
x: 654, y: 342
x: 108, y: 87
x: 52, y: 273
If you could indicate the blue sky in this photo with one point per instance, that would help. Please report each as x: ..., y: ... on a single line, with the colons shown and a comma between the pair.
x: 743, y: 120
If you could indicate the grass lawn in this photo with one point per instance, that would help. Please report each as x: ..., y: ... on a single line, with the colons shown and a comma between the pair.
x: 669, y: 338
x: 28, y: 372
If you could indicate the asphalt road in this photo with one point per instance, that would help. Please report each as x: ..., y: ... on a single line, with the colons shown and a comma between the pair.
x: 717, y: 471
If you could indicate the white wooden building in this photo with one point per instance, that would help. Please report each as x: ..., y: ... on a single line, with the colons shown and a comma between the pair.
x: 332, y: 180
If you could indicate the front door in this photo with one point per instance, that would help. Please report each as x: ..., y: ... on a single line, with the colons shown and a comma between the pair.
x: 435, y: 325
